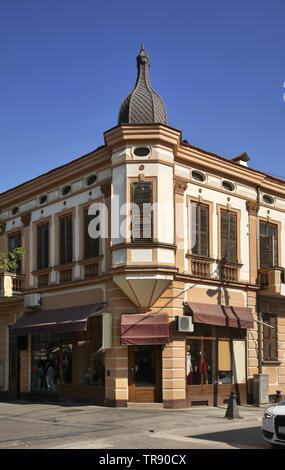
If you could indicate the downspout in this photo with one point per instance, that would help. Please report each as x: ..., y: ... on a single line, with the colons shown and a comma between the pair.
x: 259, y: 315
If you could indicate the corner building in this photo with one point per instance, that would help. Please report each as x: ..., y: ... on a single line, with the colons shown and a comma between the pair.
x: 181, y: 301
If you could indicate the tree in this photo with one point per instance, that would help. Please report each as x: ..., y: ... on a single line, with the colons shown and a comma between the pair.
x: 11, y: 262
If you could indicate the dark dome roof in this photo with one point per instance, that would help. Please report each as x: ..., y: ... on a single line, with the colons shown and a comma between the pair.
x: 143, y: 105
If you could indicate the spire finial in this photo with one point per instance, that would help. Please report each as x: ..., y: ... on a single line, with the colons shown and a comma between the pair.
x: 143, y: 105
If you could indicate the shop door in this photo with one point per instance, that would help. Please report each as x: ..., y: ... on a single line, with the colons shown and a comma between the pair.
x: 66, y: 371
x: 145, y: 374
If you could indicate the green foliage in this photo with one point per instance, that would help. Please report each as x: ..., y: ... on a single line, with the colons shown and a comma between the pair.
x: 11, y: 262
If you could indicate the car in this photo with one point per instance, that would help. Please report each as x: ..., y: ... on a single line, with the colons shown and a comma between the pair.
x: 273, y: 424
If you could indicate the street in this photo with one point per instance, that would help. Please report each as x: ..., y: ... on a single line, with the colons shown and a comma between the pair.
x: 26, y: 425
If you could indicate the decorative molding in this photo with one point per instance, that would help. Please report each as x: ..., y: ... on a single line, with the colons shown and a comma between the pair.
x: 26, y: 219
x: 180, y: 186
x: 252, y: 207
x: 2, y: 228
x: 106, y: 189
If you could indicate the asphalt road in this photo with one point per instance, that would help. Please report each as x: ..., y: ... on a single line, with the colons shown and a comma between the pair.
x: 55, y: 426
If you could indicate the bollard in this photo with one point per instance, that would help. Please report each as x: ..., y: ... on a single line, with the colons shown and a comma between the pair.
x: 232, y: 410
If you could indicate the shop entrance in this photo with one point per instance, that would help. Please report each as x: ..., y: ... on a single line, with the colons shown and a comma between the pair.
x: 145, y: 374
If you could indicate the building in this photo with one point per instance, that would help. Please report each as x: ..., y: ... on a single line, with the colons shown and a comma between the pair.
x: 180, y: 301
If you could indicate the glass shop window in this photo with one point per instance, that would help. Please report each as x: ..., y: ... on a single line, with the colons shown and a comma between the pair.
x: 90, y: 363
x: 45, y: 363
x: 67, y: 363
x: 200, y: 361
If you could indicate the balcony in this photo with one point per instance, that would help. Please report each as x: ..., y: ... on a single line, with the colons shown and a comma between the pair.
x: 11, y: 285
x: 271, y: 281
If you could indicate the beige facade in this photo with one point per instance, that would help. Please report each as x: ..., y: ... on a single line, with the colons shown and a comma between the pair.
x: 158, y: 276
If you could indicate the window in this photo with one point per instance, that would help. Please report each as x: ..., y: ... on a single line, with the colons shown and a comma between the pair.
x: 142, y: 211
x: 15, y: 241
x: 270, y: 349
x: 66, y: 190
x: 228, y: 236
x: 15, y: 210
x: 198, y: 176
x: 43, y: 199
x: 91, y: 245
x: 43, y: 246
x: 199, y: 229
x: 141, y: 151
x: 268, y: 245
x: 65, y: 240
x: 91, y: 180
x: 268, y: 199
x: 228, y: 185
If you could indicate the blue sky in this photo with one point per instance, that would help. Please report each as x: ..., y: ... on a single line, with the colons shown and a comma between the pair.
x: 66, y: 66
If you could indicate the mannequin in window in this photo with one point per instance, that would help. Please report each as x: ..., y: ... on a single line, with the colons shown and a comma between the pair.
x: 189, y: 370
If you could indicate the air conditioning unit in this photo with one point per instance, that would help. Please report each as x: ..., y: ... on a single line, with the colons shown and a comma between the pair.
x: 185, y: 324
x: 33, y: 300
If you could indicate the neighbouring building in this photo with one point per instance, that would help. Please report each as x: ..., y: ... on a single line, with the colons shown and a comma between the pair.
x: 180, y: 301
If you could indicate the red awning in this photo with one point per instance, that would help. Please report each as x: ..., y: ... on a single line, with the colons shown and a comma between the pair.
x: 144, y: 329
x: 222, y: 315
x: 61, y: 320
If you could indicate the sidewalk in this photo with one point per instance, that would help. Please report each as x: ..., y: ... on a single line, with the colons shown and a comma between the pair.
x: 77, y: 426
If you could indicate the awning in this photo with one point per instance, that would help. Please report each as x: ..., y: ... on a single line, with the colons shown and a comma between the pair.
x: 144, y: 329
x: 222, y: 315
x: 61, y: 320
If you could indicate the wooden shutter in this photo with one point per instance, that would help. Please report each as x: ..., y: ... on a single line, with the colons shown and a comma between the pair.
x: 200, y: 229
x: 142, y: 213
x: 232, y: 237
x: 204, y: 231
x: 91, y: 245
x: 229, y: 236
x: 194, y: 229
x: 224, y: 234
x: 43, y: 246
x: 65, y: 240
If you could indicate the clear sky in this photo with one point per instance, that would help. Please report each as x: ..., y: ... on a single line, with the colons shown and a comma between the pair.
x: 66, y: 66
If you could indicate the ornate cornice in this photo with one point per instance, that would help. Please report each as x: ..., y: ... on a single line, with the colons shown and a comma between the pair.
x: 252, y: 207
x: 26, y: 219
x: 180, y: 186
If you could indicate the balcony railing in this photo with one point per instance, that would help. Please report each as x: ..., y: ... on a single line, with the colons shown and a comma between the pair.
x: 271, y: 281
x: 11, y: 284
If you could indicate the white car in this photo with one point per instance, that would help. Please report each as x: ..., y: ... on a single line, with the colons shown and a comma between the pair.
x: 273, y: 424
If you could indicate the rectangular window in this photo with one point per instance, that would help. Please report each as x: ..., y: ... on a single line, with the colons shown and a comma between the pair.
x: 65, y: 240
x: 268, y: 245
x: 199, y: 229
x: 142, y: 211
x: 43, y: 246
x: 91, y: 245
x: 15, y: 241
x: 228, y: 236
x: 270, y: 344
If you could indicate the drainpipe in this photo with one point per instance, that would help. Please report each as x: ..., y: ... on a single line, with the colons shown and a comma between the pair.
x: 258, y: 301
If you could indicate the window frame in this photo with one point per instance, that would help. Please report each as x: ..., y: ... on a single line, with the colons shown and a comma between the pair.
x: 199, y: 233
x: 42, y: 265
x: 270, y: 338
x: 228, y: 258
x: 274, y: 255
x: 64, y: 259
x: 142, y: 239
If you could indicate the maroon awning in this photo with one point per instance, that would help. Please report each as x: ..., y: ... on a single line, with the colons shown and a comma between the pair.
x: 222, y: 315
x: 61, y: 320
x: 139, y: 329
